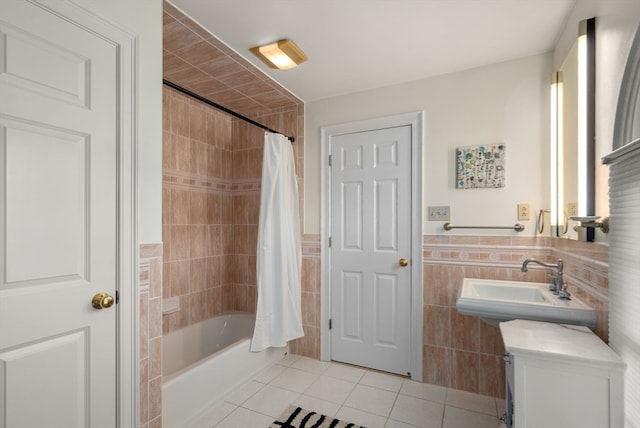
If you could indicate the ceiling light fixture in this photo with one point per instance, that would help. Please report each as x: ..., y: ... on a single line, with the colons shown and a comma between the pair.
x: 283, y: 54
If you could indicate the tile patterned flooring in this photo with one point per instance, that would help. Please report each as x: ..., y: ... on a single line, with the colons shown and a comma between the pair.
x: 352, y: 394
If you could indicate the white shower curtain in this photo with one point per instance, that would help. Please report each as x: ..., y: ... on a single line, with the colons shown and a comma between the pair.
x: 279, y: 259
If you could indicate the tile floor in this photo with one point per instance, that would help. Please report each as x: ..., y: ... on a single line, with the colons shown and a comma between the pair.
x: 352, y: 394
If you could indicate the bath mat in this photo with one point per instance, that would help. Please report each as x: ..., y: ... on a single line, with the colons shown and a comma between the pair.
x: 297, y: 417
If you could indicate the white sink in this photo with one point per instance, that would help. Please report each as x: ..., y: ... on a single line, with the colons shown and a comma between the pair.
x: 494, y: 301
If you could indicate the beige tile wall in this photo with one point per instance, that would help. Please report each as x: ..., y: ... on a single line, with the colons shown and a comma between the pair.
x: 212, y: 167
x: 197, y: 209
x: 461, y: 351
x: 150, y: 293
x: 464, y: 352
x: 309, y: 345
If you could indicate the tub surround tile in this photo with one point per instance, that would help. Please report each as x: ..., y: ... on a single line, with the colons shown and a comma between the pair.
x: 155, y: 318
x: 143, y: 318
x: 150, y: 334
x: 211, y: 197
x: 144, y: 389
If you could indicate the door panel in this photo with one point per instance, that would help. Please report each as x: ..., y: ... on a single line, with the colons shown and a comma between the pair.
x: 370, y: 230
x: 58, y: 194
x: 351, y: 294
x: 44, y: 247
x: 23, y: 366
x: 352, y: 215
x: 386, y: 211
x: 386, y: 289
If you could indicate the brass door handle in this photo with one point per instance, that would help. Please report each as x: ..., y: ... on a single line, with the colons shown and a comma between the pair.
x: 102, y: 301
x: 403, y: 262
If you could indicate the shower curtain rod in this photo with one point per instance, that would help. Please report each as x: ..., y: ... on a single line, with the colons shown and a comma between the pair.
x: 223, y: 108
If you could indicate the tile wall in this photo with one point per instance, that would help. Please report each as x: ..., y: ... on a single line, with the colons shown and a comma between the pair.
x: 464, y: 352
x: 309, y: 345
x: 459, y: 351
x: 212, y: 167
x: 197, y: 210
x: 150, y: 293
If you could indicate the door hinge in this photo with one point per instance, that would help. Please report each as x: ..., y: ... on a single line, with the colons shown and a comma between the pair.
x: 329, y: 242
x: 329, y: 160
x: 117, y: 296
x: 330, y: 325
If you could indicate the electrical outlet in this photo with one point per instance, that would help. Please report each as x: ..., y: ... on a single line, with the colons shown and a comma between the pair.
x: 572, y: 209
x: 523, y: 212
x: 439, y: 213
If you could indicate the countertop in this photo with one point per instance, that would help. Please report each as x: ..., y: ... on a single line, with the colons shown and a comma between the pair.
x: 560, y: 341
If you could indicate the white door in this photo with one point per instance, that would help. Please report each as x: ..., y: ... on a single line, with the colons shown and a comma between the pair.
x: 371, y: 235
x: 58, y: 195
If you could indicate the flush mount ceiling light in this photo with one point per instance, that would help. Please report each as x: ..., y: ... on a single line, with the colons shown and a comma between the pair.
x: 282, y: 55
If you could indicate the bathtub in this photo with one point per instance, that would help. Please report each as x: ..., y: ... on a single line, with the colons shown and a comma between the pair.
x: 204, y: 362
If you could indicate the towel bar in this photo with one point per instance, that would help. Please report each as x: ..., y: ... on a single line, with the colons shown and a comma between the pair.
x: 517, y: 227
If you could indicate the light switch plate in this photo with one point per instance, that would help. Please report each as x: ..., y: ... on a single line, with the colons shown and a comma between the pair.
x: 442, y: 213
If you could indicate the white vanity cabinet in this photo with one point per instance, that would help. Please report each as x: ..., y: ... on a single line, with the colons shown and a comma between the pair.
x: 560, y: 376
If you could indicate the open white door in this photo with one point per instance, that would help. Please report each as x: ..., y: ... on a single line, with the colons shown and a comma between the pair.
x: 58, y: 220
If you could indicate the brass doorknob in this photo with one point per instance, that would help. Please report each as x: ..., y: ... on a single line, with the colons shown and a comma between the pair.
x: 403, y: 262
x: 102, y: 301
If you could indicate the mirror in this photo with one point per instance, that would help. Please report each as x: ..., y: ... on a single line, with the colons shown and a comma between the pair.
x: 573, y: 138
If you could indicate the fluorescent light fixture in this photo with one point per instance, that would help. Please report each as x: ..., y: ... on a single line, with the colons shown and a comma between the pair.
x: 557, y: 150
x: 582, y: 119
x: 282, y: 55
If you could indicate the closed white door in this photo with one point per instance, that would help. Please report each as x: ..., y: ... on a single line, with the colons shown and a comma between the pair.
x: 58, y: 227
x: 371, y: 248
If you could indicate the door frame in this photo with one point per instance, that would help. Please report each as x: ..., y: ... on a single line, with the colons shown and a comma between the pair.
x: 415, y: 120
x: 127, y: 326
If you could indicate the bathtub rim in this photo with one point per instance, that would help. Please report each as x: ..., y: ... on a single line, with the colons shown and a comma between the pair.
x: 227, y: 314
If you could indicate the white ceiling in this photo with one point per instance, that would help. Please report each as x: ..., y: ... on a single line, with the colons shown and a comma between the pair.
x: 356, y: 45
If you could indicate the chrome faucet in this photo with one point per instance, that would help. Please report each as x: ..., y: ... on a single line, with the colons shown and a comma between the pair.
x: 559, y: 286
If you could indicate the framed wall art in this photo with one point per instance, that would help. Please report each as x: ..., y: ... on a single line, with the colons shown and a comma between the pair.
x: 480, y: 166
